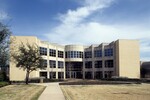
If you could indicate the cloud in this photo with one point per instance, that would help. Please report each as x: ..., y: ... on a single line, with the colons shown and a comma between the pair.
x: 75, y: 27
x: 145, y: 49
x: 89, y: 6
x: 3, y: 10
x: 72, y: 22
x: 3, y: 15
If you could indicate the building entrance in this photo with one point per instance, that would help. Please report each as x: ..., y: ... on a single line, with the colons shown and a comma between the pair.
x: 74, y: 70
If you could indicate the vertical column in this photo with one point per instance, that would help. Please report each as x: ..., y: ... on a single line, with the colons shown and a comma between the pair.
x: 92, y: 62
x: 48, y: 74
x: 114, y: 60
x: 69, y: 74
x: 56, y: 74
x: 64, y: 66
x: 56, y: 62
x: 64, y: 75
x: 48, y: 61
x: 83, y: 70
x: 103, y: 61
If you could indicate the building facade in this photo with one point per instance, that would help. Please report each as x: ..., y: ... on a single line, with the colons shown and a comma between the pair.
x: 116, y: 59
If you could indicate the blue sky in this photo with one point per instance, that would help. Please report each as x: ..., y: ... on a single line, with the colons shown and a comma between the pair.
x: 80, y: 21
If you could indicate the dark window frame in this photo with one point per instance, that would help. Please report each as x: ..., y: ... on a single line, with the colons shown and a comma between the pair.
x: 52, y: 63
x: 88, y: 54
x: 43, y: 51
x: 52, y: 52
x: 109, y: 63
x: 88, y: 64
x: 98, y: 64
x: 97, y: 53
x: 60, y: 64
x: 108, y: 52
x: 60, y: 54
x: 73, y: 54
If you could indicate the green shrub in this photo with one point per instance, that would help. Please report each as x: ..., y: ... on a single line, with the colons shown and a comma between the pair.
x: 3, y: 76
x: 3, y: 84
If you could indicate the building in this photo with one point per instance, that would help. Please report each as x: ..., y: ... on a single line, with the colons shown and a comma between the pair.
x: 145, y: 69
x: 116, y: 59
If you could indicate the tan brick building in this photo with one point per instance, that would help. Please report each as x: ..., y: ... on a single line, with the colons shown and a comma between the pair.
x: 116, y: 59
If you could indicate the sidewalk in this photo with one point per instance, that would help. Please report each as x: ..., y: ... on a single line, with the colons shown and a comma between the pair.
x: 52, y: 92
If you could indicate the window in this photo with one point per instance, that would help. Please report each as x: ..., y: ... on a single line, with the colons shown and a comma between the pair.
x: 52, y: 63
x: 71, y: 54
x: 52, y: 75
x: 43, y: 74
x: 88, y: 75
x: 60, y: 54
x: 98, y: 53
x: 66, y: 54
x: 98, y: 75
x: 52, y: 52
x: 88, y: 54
x: 88, y: 64
x: 109, y: 64
x: 108, y: 74
x: 98, y: 64
x: 108, y: 52
x: 60, y: 64
x: 45, y: 63
x: 80, y: 54
x: 74, y: 54
x: 60, y: 75
x: 43, y: 51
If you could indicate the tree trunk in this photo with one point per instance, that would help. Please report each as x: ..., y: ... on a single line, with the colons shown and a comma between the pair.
x: 27, y: 77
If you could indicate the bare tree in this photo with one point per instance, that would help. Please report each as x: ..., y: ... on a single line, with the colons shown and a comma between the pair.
x: 28, y: 58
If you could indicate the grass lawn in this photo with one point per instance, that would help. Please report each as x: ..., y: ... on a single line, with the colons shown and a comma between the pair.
x: 21, y: 92
x: 107, y: 92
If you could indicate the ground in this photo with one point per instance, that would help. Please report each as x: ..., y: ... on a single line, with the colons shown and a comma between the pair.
x: 21, y: 92
x: 107, y: 92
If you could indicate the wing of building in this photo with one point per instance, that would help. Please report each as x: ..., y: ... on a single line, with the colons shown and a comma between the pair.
x: 119, y: 58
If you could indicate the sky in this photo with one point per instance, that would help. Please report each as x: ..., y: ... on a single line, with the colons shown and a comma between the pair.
x: 80, y: 21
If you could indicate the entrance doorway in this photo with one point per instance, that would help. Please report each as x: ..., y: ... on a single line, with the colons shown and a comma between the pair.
x: 74, y: 70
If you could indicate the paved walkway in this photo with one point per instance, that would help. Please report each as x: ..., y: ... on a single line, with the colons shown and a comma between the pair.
x: 52, y: 92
